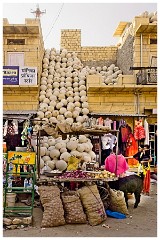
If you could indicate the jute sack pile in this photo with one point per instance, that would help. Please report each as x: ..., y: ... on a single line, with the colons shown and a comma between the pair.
x: 53, y: 214
x: 92, y: 204
x: 117, y: 201
x: 73, y: 208
x: 47, y: 193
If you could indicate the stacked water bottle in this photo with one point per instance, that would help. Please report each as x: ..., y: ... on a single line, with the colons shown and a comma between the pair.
x: 10, y: 177
x: 28, y: 185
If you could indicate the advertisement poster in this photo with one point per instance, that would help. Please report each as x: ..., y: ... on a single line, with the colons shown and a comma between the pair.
x: 10, y: 75
x: 28, y: 76
x: 21, y: 157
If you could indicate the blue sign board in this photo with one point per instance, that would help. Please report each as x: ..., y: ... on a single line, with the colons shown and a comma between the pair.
x: 10, y: 75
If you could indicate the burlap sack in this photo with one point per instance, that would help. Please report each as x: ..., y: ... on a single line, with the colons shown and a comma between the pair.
x: 92, y: 204
x: 64, y: 127
x: 105, y: 195
x: 117, y: 202
x: 53, y: 214
x: 47, y: 193
x: 51, y: 131
x: 73, y: 208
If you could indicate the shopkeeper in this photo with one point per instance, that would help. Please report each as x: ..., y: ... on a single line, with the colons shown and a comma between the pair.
x: 122, y: 165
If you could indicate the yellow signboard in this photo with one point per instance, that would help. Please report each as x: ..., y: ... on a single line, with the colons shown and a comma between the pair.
x: 21, y: 157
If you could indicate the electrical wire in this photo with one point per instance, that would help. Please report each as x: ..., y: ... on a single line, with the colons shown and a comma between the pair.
x: 55, y: 21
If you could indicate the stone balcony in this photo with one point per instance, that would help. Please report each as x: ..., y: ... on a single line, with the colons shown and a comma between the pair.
x: 125, y: 83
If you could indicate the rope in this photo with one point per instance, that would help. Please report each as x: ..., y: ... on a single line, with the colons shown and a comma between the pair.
x: 54, y: 21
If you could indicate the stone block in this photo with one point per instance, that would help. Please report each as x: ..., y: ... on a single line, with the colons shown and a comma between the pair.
x: 7, y: 221
x: 151, y: 99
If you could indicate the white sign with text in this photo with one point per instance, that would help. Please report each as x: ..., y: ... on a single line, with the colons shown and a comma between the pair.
x: 28, y: 76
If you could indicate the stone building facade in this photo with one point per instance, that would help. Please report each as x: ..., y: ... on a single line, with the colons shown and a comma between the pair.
x: 136, y: 48
x: 22, y: 46
x: 90, y: 56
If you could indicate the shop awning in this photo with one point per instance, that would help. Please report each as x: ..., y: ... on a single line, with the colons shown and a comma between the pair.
x: 18, y: 114
x: 117, y: 115
x: 120, y: 29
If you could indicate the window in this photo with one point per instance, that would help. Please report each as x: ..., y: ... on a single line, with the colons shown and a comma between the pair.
x: 15, y: 59
x: 15, y: 41
x: 153, y: 41
x: 153, y: 61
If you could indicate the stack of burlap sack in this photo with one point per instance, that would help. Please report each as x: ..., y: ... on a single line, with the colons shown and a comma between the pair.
x: 81, y: 206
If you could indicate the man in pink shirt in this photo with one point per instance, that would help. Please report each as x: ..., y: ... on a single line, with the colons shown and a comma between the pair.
x: 110, y: 164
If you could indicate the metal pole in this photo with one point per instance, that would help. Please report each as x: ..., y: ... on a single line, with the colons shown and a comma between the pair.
x: 141, y: 50
x: 137, y: 103
x: 38, y: 153
x: 117, y: 153
x: 100, y: 149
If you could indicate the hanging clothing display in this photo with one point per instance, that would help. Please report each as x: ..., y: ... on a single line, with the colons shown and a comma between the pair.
x: 122, y: 122
x: 131, y: 149
x: 5, y: 128
x: 139, y: 131
x: 114, y: 125
x: 10, y: 129
x: 26, y: 134
x: 100, y: 121
x: 108, y: 141
x: 12, y: 139
x: 15, y: 125
x: 107, y: 123
x: 93, y: 122
x: 146, y: 128
x: 124, y: 132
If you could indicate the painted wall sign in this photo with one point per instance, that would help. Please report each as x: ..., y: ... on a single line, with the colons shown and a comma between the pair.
x: 10, y: 75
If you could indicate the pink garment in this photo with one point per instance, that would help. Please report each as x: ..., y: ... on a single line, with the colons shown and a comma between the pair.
x: 110, y: 164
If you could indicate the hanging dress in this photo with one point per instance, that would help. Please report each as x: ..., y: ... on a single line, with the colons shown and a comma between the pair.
x: 131, y: 149
x: 139, y: 131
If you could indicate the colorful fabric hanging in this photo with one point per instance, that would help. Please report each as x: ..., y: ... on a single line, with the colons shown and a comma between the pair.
x: 139, y: 131
x: 131, y: 149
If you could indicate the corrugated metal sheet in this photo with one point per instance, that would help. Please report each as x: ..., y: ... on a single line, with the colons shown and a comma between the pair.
x: 117, y: 114
x: 18, y: 114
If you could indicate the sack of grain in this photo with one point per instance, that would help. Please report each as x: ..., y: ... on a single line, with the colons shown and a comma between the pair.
x: 117, y: 201
x: 51, y: 131
x: 73, y: 208
x: 47, y: 193
x: 53, y: 214
x: 92, y: 204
